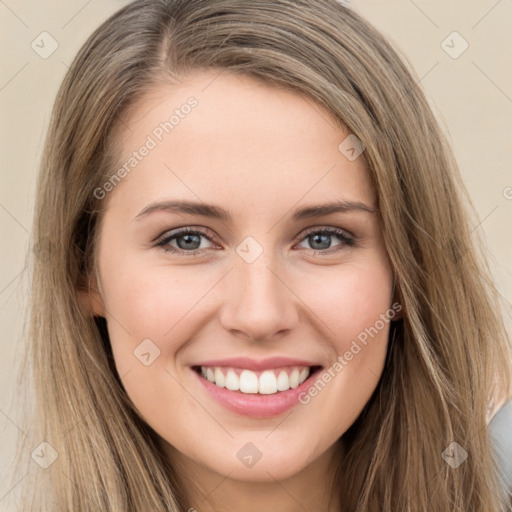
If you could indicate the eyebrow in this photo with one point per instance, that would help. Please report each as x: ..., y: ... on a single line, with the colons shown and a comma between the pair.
x: 216, y: 212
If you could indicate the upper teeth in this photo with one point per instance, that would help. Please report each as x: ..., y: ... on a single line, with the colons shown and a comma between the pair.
x: 267, y: 383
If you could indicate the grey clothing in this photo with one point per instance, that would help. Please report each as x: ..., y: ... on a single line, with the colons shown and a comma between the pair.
x: 500, y: 430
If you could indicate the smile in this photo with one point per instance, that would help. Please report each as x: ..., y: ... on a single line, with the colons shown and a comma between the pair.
x: 263, y: 391
x: 266, y: 382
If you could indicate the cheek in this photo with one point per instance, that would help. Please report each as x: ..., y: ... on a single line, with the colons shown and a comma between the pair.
x: 153, y: 309
x: 354, y: 305
x: 153, y: 301
x: 348, y: 299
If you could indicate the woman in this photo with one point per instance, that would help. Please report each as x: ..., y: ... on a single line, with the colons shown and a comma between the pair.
x: 264, y: 371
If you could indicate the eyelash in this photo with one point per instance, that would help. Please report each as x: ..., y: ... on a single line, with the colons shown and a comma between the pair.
x: 163, y: 242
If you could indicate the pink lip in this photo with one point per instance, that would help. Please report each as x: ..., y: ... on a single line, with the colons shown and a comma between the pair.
x: 256, y: 405
x: 252, y: 364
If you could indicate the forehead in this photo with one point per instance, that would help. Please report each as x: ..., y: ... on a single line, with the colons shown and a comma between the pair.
x: 229, y: 139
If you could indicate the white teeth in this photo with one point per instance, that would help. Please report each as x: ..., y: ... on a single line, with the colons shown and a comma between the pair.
x: 248, y: 382
x: 294, y: 378
x: 220, y: 380
x: 268, y: 382
x: 282, y: 381
x: 232, y: 381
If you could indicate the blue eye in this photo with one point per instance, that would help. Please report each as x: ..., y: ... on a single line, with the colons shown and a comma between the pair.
x: 321, y: 238
x: 188, y: 240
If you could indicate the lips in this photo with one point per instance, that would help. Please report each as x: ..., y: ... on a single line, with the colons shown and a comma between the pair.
x: 256, y: 388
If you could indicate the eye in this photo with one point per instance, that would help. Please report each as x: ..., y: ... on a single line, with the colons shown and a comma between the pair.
x: 320, y: 241
x: 188, y: 240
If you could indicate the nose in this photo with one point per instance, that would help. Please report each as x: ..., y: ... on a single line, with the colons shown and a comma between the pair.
x: 259, y: 303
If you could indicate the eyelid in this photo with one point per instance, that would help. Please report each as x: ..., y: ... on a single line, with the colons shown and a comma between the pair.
x: 183, y: 230
x: 332, y: 229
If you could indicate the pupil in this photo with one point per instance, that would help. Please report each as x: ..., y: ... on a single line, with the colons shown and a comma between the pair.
x: 188, y: 240
x: 316, y: 239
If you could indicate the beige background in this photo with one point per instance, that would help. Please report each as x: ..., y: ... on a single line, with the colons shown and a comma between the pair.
x: 471, y: 95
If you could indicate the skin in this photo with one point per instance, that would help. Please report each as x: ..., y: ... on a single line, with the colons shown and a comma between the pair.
x: 259, y: 152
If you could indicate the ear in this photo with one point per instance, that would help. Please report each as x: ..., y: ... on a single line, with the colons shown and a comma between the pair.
x: 90, y: 297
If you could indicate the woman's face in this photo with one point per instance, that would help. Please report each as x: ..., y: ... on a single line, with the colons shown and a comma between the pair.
x: 269, y: 289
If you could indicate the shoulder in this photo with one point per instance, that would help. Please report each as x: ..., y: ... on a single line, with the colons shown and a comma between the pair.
x: 500, y: 429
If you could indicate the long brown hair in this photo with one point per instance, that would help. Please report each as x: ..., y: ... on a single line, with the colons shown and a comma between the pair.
x: 445, y: 355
